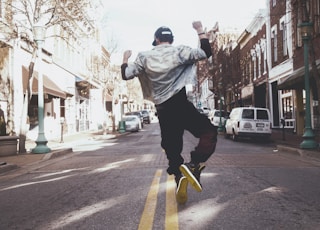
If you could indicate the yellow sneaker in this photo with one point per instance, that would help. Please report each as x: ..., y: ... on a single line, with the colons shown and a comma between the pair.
x: 181, y: 193
x: 192, y: 173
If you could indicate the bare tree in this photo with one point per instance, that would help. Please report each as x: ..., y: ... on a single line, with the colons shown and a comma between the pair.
x: 20, y: 18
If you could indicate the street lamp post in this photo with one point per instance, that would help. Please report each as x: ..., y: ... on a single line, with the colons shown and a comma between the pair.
x: 308, y: 136
x: 41, y: 147
x: 220, y: 127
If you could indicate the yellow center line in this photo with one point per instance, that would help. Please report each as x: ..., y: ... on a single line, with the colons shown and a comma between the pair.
x: 171, y: 221
x: 146, y: 221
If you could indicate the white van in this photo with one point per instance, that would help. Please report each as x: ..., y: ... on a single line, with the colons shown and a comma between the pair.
x: 250, y: 122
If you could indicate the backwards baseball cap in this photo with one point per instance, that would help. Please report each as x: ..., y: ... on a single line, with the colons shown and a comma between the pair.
x: 164, y: 34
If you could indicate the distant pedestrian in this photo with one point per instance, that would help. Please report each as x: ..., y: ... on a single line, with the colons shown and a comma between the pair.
x: 3, y: 125
x: 164, y: 72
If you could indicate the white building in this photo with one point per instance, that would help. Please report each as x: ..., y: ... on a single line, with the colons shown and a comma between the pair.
x: 72, y: 58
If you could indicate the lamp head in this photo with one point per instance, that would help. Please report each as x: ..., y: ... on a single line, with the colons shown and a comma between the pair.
x: 39, y: 32
x: 306, y: 29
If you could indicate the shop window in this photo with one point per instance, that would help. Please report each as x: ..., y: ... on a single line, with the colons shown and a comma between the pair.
x: 287, y: 107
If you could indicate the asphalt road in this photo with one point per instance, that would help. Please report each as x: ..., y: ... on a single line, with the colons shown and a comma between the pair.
x: 122, y: 184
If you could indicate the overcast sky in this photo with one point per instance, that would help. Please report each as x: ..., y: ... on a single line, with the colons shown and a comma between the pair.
x: 132, y: 23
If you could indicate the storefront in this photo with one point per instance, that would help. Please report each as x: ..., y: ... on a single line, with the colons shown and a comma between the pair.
x: 293, y: 101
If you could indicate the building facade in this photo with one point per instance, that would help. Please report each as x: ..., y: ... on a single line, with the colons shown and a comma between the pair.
x: 266, y: 66
x: 72, y: 64
x: 280, y: 62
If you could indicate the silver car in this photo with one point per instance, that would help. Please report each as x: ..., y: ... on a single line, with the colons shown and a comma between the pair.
x: 132, y: 123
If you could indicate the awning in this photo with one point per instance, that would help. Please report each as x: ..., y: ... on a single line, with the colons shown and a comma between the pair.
x: 247, y: 91
x: 49, y: 87
x: 295, y: 80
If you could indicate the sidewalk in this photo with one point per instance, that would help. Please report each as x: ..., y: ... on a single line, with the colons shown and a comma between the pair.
x: 288, y: 142
x: 57, y: 147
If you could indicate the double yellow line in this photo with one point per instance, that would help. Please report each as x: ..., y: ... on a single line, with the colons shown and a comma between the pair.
x: 171, y: 219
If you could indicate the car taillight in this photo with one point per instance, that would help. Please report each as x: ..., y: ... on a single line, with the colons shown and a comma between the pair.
x: 238, y: 124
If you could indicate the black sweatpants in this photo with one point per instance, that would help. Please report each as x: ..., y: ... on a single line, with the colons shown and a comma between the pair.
x: 176, y: 115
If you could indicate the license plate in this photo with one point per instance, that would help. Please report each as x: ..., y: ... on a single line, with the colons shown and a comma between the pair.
x: 260, y: 125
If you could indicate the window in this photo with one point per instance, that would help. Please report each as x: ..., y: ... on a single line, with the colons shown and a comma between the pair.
x: 275, y: 47
x: 274, y: 2
x: 287, y: 106
x: 248, y: 114
x: 1, y: 8
x: 258, y: 52
x: 263, y: 53
x: 297, y: 21
x: 262, y: 114
x: 274, y: 43
x: 317, y: 17
x: 254, y: 59
x: 284, y: 37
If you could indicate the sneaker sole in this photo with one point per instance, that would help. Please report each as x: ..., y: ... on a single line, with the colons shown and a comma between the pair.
x: 181, y: 194
x: 191, y: 178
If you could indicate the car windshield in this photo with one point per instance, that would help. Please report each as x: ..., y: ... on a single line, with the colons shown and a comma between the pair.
x: 217, y: 113
x: 129, y: 118
x: 134, y: 113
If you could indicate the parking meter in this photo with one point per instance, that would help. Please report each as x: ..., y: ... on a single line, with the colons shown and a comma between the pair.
x: 61, y: 123
x: 283, y: 123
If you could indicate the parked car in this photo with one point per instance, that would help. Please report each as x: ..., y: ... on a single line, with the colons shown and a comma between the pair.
x: 214, y: 116
x: 146, y: 116
x: 250, y: 122
x: 200, y: 110
x: 132, y: 123
x: 137, y: 113
x: 206, y: 111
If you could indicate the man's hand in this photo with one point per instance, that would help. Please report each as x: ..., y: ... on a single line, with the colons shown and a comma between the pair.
x: 126, y: 56
x: 197, y: 25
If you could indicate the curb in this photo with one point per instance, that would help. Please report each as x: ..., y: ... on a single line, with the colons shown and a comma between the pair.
x: 7, y: 167
x: 300, y: 152
x: 292, y: 150
x: 51, y: 155
x: 57, y: 153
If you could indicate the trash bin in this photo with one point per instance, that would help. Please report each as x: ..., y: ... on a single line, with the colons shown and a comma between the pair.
x: 122, y: 126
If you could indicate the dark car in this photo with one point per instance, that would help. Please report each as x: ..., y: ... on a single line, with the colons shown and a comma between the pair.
x: 137, y: 113
x: 146, y: 116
